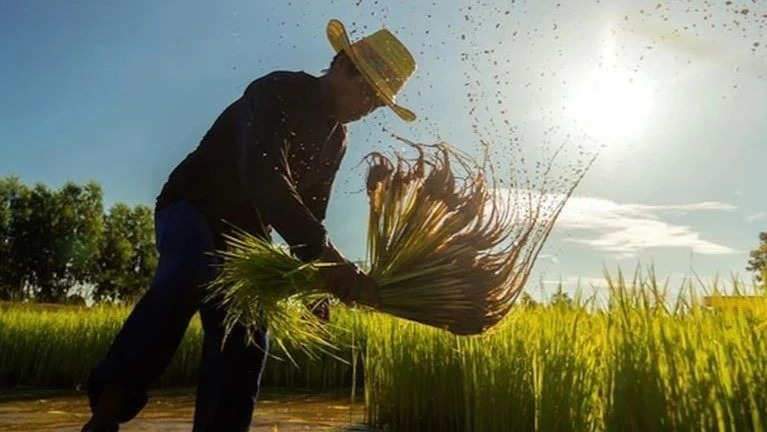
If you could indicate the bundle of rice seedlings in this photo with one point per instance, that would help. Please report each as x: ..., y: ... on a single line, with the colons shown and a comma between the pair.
x: 263, y: 287
x: 446, y: 245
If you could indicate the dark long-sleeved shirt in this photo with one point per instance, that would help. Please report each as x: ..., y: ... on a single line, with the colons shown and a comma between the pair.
x: 269, y: 160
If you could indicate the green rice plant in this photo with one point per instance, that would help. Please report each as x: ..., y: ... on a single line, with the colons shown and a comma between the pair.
x: 56, y: 347
x: 262, y: 286
x: 642, y: 362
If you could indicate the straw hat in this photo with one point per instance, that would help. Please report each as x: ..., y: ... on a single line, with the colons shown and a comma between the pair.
x: 381, y: 58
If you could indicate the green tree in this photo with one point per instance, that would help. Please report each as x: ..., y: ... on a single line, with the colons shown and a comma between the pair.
x: 145, y: 256
x: 29, y: 244
x: 11, y: 280
x: 128, y: 257
x: 56, y: 237
x: 561, y: 298
x: 80, y: 229
x: 757, y: 261
x: 526, y: 300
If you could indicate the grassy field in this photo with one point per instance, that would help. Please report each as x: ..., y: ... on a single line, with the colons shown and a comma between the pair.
x: 56, y: 346
x: 638, y: 362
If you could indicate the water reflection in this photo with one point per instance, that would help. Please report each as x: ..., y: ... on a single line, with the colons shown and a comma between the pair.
x: 173, y: 411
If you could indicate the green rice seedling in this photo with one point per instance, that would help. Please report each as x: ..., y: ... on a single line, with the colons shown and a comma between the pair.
x: 262, y: 286
x: 642, y: 362
x: 57, y: 346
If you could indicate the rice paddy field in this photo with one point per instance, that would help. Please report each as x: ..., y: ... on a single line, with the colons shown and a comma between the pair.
x: 635, y: 360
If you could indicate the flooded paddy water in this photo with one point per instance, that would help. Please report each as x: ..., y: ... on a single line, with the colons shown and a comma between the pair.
x: 173, y: 410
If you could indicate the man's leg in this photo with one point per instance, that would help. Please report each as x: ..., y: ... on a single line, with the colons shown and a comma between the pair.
x: 229, y: 377
x: 141, y: 351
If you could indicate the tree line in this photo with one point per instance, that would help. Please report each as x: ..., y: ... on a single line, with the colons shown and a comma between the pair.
x: 59, y: 245
x: 757, y: 261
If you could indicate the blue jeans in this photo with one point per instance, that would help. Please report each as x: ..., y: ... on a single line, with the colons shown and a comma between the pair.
x: 229, y: 376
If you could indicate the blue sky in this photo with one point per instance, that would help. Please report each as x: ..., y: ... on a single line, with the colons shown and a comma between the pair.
x: 675, y: 93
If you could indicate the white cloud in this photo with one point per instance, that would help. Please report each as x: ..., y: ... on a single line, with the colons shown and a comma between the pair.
x: 624, y: 229
x: 552, y: 258
x: 756, y: 216
x: 627, y: 229
x: 570, y: 282
x: 671, y: 286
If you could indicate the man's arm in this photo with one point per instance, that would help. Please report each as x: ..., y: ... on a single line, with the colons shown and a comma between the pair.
x: 266, y: 181
x: 265, y: 174
x: 317, y: 197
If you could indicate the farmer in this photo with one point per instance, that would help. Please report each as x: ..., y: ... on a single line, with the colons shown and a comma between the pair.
x: 268, y: 161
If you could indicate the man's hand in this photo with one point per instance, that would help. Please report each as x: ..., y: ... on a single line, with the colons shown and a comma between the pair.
x: 346, y: 281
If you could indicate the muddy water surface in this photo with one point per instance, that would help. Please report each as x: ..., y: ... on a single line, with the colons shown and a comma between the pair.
x: 172, y: 411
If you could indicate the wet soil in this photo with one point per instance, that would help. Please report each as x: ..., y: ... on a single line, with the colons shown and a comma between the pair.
x: 172, y: 411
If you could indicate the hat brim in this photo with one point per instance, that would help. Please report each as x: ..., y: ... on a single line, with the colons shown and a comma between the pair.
x: 339, y: 40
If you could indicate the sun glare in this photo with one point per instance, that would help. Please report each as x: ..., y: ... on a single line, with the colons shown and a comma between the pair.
x: 611, y: 103
x: 612, y: 109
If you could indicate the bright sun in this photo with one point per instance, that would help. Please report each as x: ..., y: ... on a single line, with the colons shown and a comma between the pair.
x: 611, y: 104
x: 611, y: 108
